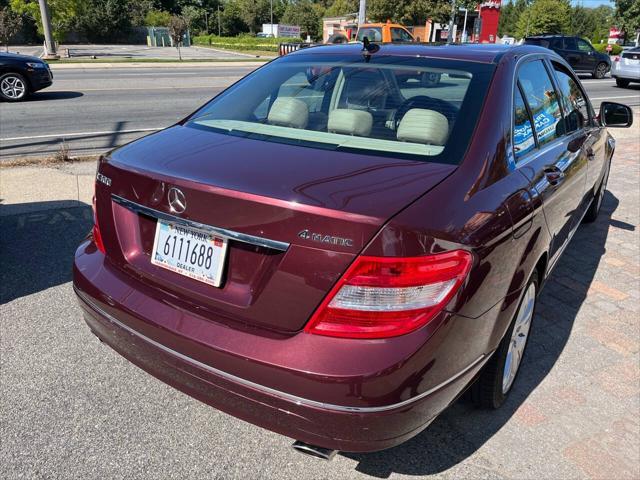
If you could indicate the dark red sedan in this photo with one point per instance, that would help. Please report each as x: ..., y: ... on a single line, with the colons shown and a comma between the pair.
x: 335, y: 248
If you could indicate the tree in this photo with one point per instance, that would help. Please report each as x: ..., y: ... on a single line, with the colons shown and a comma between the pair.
x: 63, y: 14
x: 138, y: 10
x: 307, y: 15
x: 254, y: 13
x: 103, y: 20
x: 628, y: 15
x: 509, y: 16
x: 177, y: 29
x: 545, y: 16
x: 157, y: 18
x: 10, y: 24
x: 342, y: 7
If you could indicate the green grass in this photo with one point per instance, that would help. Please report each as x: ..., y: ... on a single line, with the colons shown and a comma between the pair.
x: 241, y: 43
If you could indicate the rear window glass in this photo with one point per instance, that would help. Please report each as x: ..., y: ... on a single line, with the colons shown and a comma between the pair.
x: 374, y: 34
x: 410, y: 107
x: 541, y: 97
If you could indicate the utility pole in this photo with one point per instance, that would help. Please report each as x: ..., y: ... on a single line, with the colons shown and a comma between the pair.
x: 271, y: 11
x: 452, y: 20
x: 218, y: 18
x: 49, y: 44
x: 362, y: 13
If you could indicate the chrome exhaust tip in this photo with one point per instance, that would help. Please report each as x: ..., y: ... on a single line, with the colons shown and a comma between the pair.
x: 314, y: 451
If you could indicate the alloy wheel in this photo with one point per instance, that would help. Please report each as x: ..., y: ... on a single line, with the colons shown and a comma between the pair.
x: 519, y: 338
x: 601, y: 70
x: 13, y: 87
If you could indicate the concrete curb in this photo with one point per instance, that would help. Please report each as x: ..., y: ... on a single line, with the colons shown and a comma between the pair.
x: 77, y: 66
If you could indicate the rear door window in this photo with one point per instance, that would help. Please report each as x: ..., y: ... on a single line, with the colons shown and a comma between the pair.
x: 542, y: 99
x: 523, y: 139
x: 574, y: 101
x: 570, y: 43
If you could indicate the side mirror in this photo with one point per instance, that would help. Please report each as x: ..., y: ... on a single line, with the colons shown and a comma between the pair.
x: 615, y: 115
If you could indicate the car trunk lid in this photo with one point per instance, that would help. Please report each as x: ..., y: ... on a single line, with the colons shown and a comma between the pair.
x: 295, y: 217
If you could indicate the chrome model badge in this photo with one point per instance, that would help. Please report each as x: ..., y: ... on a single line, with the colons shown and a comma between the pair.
x: 177, y: 202
x: 329, y: 239
x: 103, y: 179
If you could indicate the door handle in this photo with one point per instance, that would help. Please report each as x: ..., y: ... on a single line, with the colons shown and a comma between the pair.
x: 591, y: 154
x: 554, y: 174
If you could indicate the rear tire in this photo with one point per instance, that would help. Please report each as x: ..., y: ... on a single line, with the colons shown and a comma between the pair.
x: 621, y: 82
x: 596, y: 203
x: 600, y: 71
x: 13, y: 87
x: 500, y: 372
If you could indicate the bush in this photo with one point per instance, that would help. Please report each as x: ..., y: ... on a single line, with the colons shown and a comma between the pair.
x: 241, y: 42
x: 602, y: 48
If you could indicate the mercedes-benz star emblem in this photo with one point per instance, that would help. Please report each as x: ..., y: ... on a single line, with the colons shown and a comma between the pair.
x: 177, y: 202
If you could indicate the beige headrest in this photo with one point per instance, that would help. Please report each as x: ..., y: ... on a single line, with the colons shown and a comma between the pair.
x: 289, y: 112
x: 423, y: 126
x: 350, y: 122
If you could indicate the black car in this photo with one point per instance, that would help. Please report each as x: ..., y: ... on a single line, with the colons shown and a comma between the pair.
x: 578, y: 53
x: 21, y: 75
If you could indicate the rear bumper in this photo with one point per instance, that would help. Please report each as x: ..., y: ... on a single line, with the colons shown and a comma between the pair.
x: 351, y: 424
x: 626, y: 73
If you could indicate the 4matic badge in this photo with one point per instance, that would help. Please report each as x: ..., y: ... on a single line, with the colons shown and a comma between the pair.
x: 328, y: 239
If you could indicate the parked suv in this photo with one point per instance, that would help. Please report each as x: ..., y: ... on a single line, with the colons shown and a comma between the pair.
x: 578, y: 53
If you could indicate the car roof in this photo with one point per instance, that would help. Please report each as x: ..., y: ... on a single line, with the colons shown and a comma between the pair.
x: 483, y: 53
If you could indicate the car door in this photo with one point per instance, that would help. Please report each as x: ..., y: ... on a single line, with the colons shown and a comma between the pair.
x: 571, y: 53
x: 588, y: 57
x: 548, y: 157
x: 580, y: 119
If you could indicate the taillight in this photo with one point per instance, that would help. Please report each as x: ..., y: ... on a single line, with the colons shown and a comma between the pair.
x: 389, y: 296
x: 616, y: 58
x: 95, y: 231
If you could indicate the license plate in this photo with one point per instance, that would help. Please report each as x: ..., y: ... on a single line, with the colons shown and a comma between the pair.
x: 188, y: 251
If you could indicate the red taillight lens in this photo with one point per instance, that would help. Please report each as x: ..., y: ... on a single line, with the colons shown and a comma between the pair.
x: 95, y: 232
x: 616, y: 58
x: 389, y: 296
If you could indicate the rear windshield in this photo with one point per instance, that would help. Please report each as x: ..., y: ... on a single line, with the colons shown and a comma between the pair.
x: 404, y: 107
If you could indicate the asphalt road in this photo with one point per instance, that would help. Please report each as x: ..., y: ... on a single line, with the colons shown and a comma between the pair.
x: 93, y: 110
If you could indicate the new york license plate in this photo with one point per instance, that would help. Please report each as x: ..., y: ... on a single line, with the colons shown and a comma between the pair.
x: 188, y: 251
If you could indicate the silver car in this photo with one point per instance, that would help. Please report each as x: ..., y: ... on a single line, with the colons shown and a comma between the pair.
x: 626, y: 67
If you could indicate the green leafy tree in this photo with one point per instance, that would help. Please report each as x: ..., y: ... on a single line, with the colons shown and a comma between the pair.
x: 627, y: 16
x: 307, y: 15
x: 509, y: 16
x: 254, y: 13
x: 103, y: 20
x: 231, y: 19
x: 342, y: 7
x: 545, y: 16
x: 10, y: 24
x: 157, y: 18
x: 138, y: 10
x: 63, y: 14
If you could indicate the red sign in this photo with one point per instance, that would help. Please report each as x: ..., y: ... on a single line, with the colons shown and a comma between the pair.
x: 609, y: 48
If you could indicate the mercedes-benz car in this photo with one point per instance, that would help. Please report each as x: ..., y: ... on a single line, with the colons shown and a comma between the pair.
x: 21, y: 75
x: 336, y: 255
